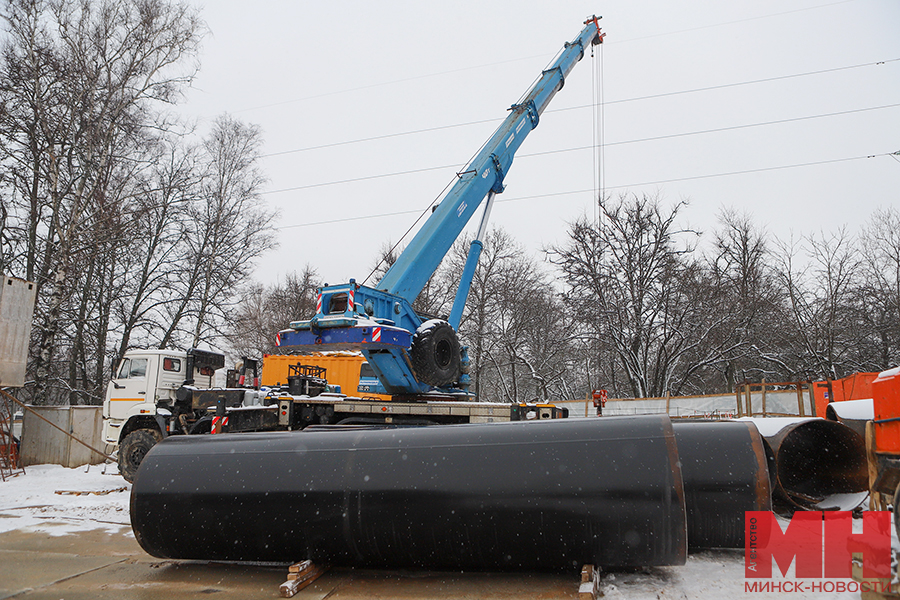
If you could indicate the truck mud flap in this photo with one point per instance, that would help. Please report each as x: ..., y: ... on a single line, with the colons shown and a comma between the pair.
x: 725, y: 472
x: 546, y: 495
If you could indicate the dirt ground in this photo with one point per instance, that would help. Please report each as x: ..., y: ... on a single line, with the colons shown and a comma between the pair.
x: 96, y: 565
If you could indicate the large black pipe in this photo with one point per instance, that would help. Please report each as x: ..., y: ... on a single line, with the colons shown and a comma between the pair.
x: 502, y: 496
x: 819, y: 464
x: 725, y: 472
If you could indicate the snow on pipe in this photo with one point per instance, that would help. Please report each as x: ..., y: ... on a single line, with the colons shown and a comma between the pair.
x: 543, y: 495
x: 816, y: 464
x: 725, y: 472
x: 852, y: 413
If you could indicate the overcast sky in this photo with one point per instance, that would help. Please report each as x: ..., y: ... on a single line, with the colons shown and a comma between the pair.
x: 315, y: 74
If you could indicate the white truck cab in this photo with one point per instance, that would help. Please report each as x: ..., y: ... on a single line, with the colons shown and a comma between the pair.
x: 141, y: 396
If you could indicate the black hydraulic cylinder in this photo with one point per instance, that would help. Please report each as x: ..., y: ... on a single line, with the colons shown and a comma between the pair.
x: 548, y: 495
x: 725, y: 472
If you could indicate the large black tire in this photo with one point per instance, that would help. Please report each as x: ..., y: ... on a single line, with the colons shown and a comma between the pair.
x: 132, y: 450
x: 435, y: 353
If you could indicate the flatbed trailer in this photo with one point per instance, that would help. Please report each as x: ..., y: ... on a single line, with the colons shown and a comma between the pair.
x: 285, y: 411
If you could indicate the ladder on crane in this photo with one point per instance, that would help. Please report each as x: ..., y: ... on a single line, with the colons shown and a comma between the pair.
x: 9, y: 449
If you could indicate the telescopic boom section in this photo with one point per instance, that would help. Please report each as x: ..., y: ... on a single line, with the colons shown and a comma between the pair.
x: 409, y: 274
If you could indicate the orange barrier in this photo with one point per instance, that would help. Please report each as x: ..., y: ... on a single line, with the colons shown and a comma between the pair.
x: 886, y: 401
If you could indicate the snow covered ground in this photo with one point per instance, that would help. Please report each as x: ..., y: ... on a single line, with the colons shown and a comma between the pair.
x: 60, y: 501
x: 54, y: 500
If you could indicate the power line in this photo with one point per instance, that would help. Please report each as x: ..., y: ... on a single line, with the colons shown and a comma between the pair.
x: 701, y: 27
x: 609, y: 187
x: 579, y: 107
x: 392, y: 82
x: 718, y: 129
x: 578, y: 148
x: 379, y: 137
x: 355, y: 179
x: 521, y: 58
x: 751, y: 82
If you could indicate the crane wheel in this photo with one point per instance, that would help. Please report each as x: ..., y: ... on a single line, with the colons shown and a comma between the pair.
x: 132, y: 450
x: 435, y: 354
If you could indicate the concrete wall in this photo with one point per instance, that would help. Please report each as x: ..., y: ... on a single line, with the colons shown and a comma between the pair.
x: 724, y: 406
x: 43, y: 444
x: 16, y: 308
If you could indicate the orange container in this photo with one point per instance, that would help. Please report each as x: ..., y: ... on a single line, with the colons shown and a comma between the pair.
x: 340, y: 369
x: 886, y: 401
x: 857, y: 386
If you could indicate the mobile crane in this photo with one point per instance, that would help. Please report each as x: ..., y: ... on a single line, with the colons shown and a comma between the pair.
x: 409, y: 354
x: 417, y: 361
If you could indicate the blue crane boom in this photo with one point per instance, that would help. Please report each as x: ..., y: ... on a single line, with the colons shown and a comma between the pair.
x: 409, y: 274
x: 409, y: 354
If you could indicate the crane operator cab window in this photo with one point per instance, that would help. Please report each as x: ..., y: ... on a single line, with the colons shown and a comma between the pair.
x: 337, y: 303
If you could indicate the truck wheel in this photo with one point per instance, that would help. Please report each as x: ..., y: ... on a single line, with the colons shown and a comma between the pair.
x: 133, y: 449
x: 435, y: 353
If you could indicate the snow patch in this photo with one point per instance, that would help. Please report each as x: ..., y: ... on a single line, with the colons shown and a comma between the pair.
x: 60, y: 501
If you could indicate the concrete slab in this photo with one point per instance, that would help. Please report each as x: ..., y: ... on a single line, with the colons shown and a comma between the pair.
x: 104, y: 565
x: 24, y: 571
x: 377, y: 585
x: 144, y: 578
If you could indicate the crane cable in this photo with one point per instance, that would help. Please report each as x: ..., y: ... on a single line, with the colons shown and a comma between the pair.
x: 599, y: 131
x: 595, y: 170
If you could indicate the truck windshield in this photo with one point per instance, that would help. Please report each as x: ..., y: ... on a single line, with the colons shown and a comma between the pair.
x: 133, y: 368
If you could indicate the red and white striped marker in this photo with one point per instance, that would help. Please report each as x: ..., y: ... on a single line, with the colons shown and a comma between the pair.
x: 277, y: 339
x: 376, y: 334
x: 218, y: 424
x: 319, y: 304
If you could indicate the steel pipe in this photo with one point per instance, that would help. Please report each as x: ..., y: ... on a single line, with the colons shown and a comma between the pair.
x: 818, y: 464
x: 543, y: 495
x: 852, y: 413
x: 725, y: 472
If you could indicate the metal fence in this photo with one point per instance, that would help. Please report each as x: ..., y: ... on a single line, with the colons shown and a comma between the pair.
x: 42, y: 444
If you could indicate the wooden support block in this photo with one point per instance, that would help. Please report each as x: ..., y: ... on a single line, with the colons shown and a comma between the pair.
x: 875, y: 500
x: 587, y: 573
x: 300, y: 575
x: 300, y: 567
x: 590, y: 583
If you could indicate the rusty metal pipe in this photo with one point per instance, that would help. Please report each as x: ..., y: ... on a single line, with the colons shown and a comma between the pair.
x: 725, y: 472
x: 818, y: 464
x: 503, y: 496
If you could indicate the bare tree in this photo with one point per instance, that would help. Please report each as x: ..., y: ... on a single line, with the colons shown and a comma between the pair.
x: 80, y: 86
x: 158, y: 214
x: 745, y: 288
x: 630, y: 284
x: 228, y: 228
x: 820, y: 277
x: 263, y: 311
x: 879, y: 290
